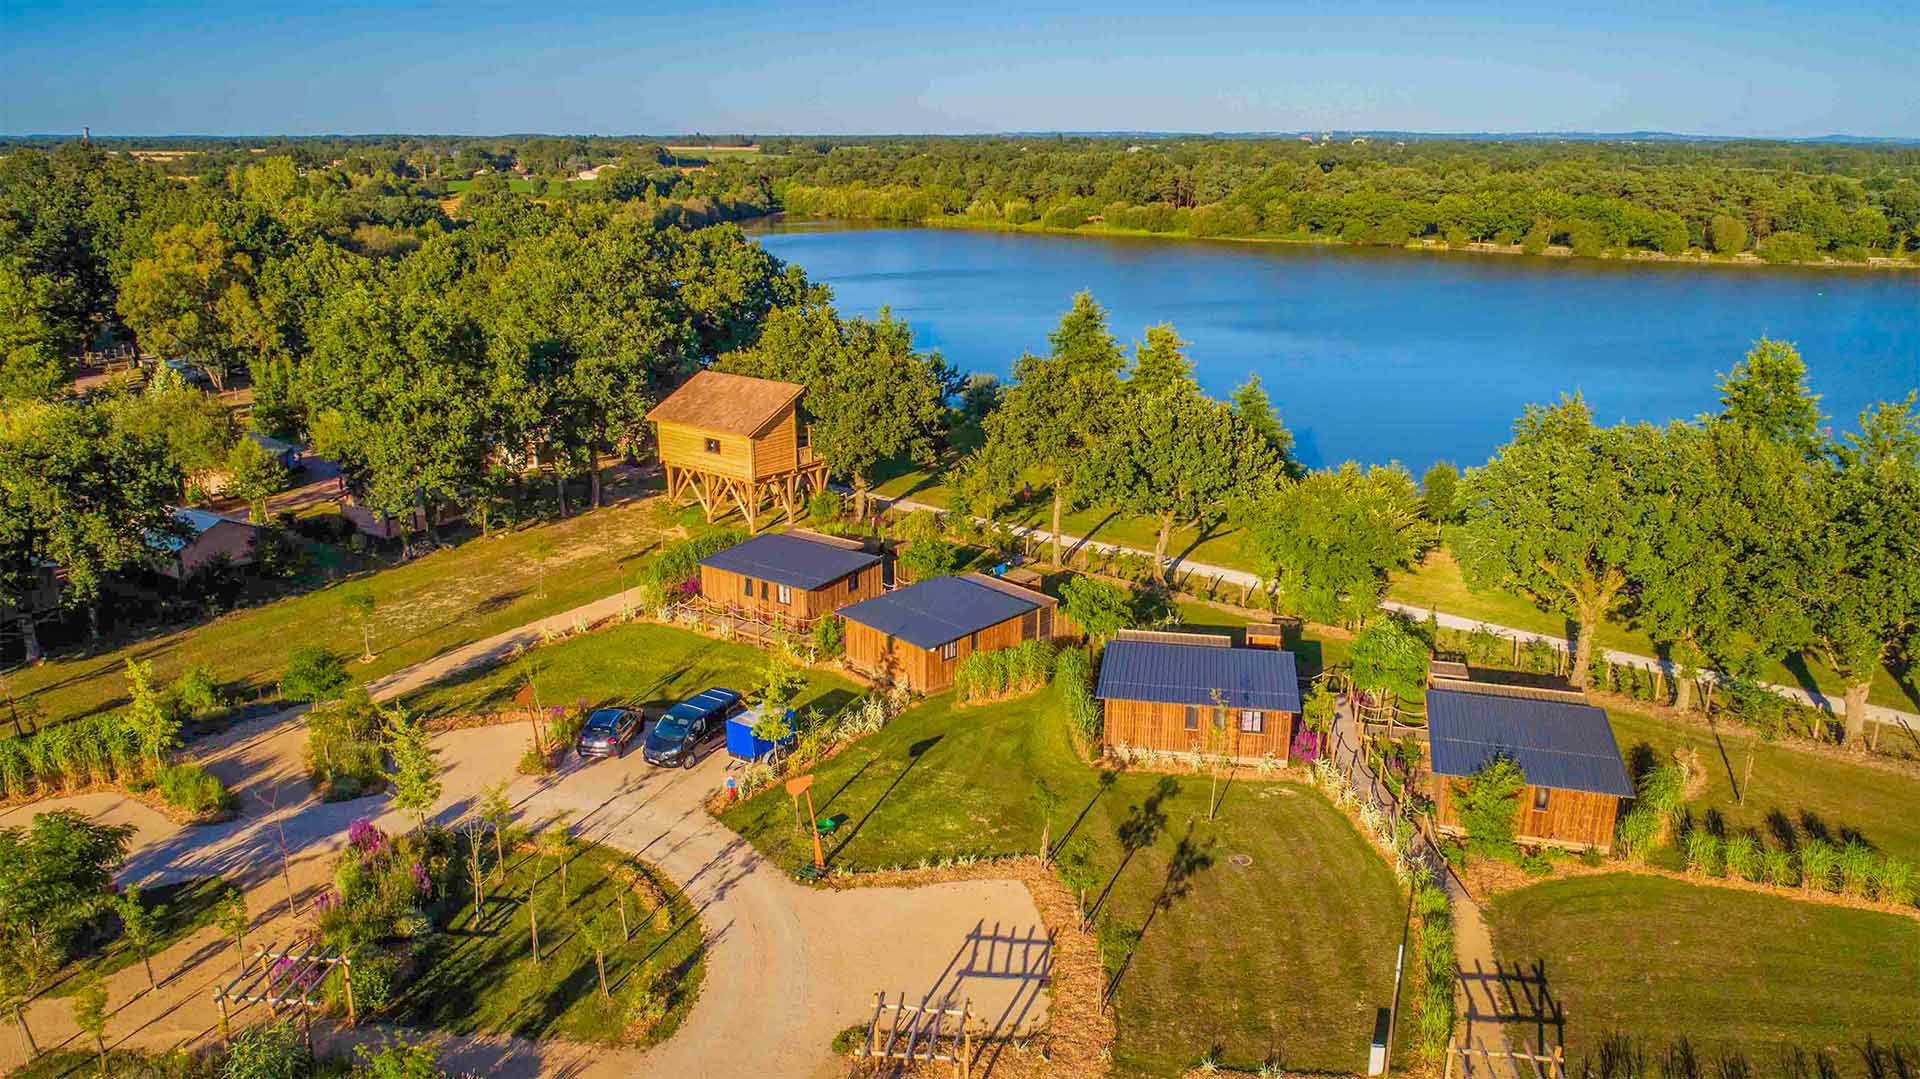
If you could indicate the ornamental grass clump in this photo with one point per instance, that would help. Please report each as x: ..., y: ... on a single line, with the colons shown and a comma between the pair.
x: 1777, y: 867
x: 1435, y: 947
x: 1741, y: 854
x: 1817, y: 861
x: 1893, y: 881
x: 1856, y: 863
x: 1703, y: 852
x: 1073, y: 684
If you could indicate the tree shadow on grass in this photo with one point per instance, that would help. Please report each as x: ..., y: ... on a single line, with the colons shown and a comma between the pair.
x: 914, y: 752
x: 1188, y: 860
x: 1107, y: 779
x: 1137, y: 832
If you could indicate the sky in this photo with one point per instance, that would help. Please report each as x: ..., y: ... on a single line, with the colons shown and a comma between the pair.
x: 1731, y: 68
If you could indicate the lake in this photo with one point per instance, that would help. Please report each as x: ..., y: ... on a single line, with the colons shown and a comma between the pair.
x: 1379, y: 355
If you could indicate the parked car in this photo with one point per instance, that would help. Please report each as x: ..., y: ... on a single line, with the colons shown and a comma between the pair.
x: 692, y: 728
x: 607, y: 732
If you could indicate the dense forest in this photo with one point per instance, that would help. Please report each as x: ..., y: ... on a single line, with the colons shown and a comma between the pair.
x: 1788, y: 202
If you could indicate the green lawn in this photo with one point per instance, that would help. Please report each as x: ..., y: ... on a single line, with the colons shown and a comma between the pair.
x: 514, y: 183
x: 1661, y: 960
x: 634, y: 664
x: 188, y: 906
x: 484, y: 980
x: 1806, y: 792
x: 424, y: 607
x: 1286, y: 957
x: 1436, y: 583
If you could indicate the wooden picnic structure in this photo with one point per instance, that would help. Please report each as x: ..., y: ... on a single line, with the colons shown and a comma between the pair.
x: 734, y: 441
x: 910, y: 1034
x: 1196, y: 692
x: 285, y: 978
x: 917, y: 636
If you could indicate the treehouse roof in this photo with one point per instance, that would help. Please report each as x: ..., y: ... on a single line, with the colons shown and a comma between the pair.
x: 794, y: 561
x: 1557, y: 743
x: 929, y: 613
x: 729, y: 404
x: 1177, y: 673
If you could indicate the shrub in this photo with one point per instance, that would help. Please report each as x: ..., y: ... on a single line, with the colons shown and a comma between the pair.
x: 313, y: 673
x: 1489, y: 802
x: 1703, y: 852
x: 1536, y: 864
x: 274, y: 1051
x: 1100, y: 608
x: 193, y: 788
x: 1776, y: 866
x: 823, y: 508
x: 199, y: 690
x: 1789, y: 246
x: 1893, y: 879
x: 679, y: 561
x: 1741, y: 855
x: 928, y: 557
x: 830, y: 636
x: 1073, y: 684
x: 1857, y: 864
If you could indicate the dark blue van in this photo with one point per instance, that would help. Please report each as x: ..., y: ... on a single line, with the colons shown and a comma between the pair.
x: 691, y: 729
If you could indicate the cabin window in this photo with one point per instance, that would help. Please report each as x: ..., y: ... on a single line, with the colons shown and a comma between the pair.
x: 853, y: 583
x: 713, y: 445
x: 746, y: 587
x: 1539, y: 799
x: 949, y: 650
x: 763, y: 590
x: 1253, y: 722
x: 785, y: 594
x: 1219, y: 719
x: 1193, y: 717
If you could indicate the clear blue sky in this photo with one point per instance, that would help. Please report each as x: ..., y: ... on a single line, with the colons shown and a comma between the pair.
x: 1736, y: 68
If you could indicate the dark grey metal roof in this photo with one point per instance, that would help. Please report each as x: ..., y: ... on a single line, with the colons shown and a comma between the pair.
x: 1263, y: 678
x: 929, y: 613
x: 1558, y: 744
x: 787, y: 559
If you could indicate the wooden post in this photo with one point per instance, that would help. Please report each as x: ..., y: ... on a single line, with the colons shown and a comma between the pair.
x: 966, y: 1032
x: 346, y: 966
x: 873, y: 1035
x: 226, y: 1024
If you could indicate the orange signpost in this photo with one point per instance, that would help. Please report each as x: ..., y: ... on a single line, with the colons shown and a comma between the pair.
x: 798, y: 786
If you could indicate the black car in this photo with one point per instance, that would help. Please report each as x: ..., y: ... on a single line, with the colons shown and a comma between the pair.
x: 607, y: 732
x: 688, y: 730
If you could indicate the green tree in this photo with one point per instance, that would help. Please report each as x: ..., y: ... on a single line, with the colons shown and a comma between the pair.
x: 871, y: 398
x: 1488, y: 805
x: 254, y: 475
x: 1768, y: 392
x: 194, y: 426
x: 90, y: 1014
x: 413, y: 772
x: 1100, y: 608
x: 234, y: 921
x: 36, y: 342
x: 152, y: 714
x: 359, y: 605
x: 1727, y: 234
x: 55, y: 875
x: 1860, y: 583
x: 397, y: 1059
x: 1555, y: 514
x: 1255, y: 410
x: 1388, y: 656
x: 1057, y: 412
x: 139, y: 923
x: 1440, y: 491
x: 1185, y: 459
x: 192, y: 299
x: 1160, y: 363
x: 1329, y: 539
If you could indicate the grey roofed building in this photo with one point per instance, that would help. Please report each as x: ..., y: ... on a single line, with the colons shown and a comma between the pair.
x: 794, y: 561
x: 1558, y: 743
x: 1259, y: 678
x: 930, y: 613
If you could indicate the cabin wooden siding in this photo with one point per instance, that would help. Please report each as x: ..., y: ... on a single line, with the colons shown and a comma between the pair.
x: 1573, y: 819
x: 1160, y: 726
x: 777, y: 450
x: 924, y: 670
x: 729, y: 589
x: 686, y: 447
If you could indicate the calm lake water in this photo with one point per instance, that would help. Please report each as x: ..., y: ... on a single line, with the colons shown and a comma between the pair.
x: 1385, y: 355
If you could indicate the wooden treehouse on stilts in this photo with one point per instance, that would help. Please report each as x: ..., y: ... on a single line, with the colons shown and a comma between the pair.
x: 731, y: 441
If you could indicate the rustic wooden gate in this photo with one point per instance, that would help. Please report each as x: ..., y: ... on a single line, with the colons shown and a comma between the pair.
x: 920, y: 1033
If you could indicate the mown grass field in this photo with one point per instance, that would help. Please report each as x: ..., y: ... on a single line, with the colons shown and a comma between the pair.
x: 423, y: 607
x: 1662, y: 960
x: 1436, y: 584
x: 483, y: 979
x: 1284, y: 958
x: 635, y: 664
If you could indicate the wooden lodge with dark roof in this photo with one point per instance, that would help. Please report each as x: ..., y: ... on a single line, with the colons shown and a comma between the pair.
x: 917, y: 636
x: 1564, y: 746
x: 1181, y: 692
x: 731, y: 440
x: 791, y: 577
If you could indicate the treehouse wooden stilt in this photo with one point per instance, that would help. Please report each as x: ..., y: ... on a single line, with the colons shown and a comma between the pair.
x: 730, y: 442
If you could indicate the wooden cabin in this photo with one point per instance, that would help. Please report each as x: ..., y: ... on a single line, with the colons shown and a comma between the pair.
x: 917, y: 636
x: 1180, y: 692
x: 209, y: 538
x: 730, y: 440
x: 1564, y: 746
x: 791, y: 577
